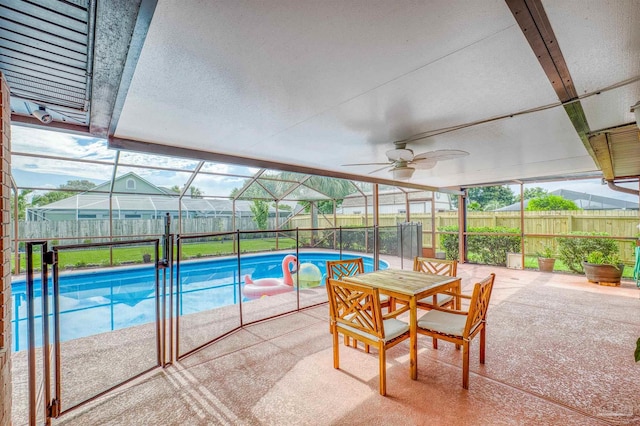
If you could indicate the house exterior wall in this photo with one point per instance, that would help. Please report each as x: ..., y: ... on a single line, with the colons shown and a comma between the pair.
x: 5, y: 259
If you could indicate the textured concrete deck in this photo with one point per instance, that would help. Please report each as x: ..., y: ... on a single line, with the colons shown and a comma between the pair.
x: 559, y: 351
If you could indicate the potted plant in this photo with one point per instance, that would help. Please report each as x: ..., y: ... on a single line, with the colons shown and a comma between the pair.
x: 546, y: 259
x: 603, y: 269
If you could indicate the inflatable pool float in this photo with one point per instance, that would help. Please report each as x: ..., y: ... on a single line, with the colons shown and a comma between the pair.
x: 271, y: 286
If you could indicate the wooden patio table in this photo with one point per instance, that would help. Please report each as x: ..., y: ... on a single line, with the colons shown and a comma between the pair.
x: 408, y: 286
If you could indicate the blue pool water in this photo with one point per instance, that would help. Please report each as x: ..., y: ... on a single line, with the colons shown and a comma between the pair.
x: 98, y: 301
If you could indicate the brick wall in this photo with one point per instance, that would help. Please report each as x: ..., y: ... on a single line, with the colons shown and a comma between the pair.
x: 5, y: 258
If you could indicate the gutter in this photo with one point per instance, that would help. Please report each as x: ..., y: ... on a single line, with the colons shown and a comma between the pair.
x: 611, y: 184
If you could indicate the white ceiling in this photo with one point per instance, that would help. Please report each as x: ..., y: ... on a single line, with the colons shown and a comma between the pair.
x: 324, y: 83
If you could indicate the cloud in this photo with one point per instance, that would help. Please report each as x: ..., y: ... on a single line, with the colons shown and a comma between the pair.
x: 46, y: 142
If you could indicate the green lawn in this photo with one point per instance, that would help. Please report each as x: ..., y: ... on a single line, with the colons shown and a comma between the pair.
x: 127, y: 255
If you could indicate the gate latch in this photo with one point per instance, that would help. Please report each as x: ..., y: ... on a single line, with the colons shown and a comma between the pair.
x: 48, y: 258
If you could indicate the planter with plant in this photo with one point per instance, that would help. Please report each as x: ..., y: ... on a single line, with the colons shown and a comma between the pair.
x: 546, y: 259
x: 603, y: 269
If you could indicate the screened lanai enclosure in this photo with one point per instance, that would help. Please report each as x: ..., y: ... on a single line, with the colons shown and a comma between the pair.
x: 177, y: 249
x: 180, y: 170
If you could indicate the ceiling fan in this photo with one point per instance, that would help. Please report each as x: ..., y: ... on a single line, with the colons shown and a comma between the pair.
x: 403, y: 163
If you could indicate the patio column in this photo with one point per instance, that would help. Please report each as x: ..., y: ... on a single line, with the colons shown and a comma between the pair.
x: 5, y: 260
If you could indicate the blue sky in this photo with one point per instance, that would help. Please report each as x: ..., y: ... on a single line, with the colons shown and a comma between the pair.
x: 50, y: 173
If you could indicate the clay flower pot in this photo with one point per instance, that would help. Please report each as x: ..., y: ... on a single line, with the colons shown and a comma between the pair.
x: 603, y: 274
x: 545, y: 264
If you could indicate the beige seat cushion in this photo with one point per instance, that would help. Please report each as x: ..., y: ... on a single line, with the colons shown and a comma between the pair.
x: 440, y: 298
x: 392, y: 329
x: 443, y: 322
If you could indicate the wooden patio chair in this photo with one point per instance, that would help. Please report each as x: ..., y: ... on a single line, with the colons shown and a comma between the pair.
x: 437, y: 267
x: 336, y: 269
x: 355, y: 311
x: 461, y: 327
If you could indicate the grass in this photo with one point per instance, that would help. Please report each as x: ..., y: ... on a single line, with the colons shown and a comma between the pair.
x: 133, y: 254
x: 531, y: 262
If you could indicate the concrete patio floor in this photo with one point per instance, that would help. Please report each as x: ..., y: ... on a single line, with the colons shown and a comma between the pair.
x: 559, y: 352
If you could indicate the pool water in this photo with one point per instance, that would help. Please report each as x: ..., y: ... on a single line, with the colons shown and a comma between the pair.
x: 98, y: 301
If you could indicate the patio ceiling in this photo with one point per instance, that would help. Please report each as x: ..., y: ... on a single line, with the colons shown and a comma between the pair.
x: 528, y: 88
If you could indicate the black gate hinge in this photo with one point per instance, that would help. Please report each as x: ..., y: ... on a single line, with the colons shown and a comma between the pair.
x: 48, y: 258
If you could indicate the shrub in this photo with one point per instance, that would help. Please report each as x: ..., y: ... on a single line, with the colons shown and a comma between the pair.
x: 489, y: 249
x: 573, y: 251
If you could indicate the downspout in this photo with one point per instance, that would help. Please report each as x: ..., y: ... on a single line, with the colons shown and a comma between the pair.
x: 611, y: 184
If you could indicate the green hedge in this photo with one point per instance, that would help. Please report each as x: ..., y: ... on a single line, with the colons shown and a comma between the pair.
x: 354, y: 240
x: 486, y: 249
x: 573, y: 251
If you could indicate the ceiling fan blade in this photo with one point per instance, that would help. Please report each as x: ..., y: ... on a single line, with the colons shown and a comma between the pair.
x: 388, y: 166
x: 368, y: 164
x: 440, y: 155
x: 424, y: 163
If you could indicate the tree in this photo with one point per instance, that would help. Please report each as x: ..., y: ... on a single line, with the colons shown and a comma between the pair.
x: 260, y: 210
x: 23, y: 203
x: 490, y: 196
x: 194, y: 192
x: 70, y: 188
x: 551, y: 202
x: 78, y: 185
x: 535, y: 192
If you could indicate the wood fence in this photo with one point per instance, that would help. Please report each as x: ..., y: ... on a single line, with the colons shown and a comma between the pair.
x: 616, y: 223
x: 621, y: 224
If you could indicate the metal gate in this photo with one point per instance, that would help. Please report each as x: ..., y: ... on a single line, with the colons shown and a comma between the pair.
x: 77, y: 364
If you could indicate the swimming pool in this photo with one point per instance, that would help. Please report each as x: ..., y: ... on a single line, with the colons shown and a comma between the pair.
x: 103, y: 300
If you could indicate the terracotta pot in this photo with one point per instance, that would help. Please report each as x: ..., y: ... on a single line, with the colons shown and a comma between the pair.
x: 603, y: 274
x: 545, y: 264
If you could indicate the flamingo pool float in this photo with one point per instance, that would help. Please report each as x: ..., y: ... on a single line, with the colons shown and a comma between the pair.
x: 270, y: 286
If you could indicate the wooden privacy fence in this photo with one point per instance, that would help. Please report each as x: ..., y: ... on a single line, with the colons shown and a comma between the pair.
x: 91, y: 229
x: 616, y: 223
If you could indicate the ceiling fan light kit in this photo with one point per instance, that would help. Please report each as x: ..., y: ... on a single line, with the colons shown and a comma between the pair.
x: 402, y: 173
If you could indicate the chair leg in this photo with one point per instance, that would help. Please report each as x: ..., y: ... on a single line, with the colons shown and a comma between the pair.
x: 382, y: 356
x: 482, y: 343
x: 336, y: 348
x: 435, y: 343
x: 465, y: 364
x: 347, y: 341
x: 366, y: 347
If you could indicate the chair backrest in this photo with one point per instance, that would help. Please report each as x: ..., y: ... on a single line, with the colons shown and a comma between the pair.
x: 435, y: 266
x: 479, y: 303
x: 337, y: 269
x: 356, y: 306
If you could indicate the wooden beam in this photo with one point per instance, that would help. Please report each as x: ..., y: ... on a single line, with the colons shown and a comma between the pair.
x: 602, y: 153
x: 535, y: 26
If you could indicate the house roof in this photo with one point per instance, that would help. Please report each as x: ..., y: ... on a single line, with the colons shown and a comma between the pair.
x: 584, y: 201
x: 153, y: 198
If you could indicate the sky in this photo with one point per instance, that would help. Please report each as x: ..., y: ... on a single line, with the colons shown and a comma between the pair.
x: 51, y: 173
